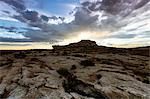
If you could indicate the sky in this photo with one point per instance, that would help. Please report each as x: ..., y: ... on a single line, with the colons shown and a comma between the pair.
x: 39, y: 24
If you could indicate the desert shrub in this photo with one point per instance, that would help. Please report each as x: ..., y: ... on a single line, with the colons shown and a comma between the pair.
x: 146, y: 80
x: 20, y: 55
x: 70, y: 79
x: 87, y: 63
x: 73, y: 67
x: 63, y: 72
x: 70, y: 83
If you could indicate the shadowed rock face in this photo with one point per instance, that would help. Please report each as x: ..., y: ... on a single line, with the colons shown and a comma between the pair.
x: 83, y: 43
x: 81, y: 46
x: 76, y: 71
x: 88, y: 46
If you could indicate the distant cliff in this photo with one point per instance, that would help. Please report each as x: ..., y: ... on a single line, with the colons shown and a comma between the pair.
x: 88, y: 46
x: 82, y: 46
x: 82, y: 43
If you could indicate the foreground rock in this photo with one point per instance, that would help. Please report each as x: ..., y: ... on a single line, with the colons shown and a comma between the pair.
x: 73, y: 74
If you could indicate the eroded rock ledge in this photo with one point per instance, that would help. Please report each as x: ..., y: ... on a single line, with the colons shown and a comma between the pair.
x: 75, y: 75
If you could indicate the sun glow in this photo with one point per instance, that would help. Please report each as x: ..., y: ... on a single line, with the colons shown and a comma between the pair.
x: 82, y: 35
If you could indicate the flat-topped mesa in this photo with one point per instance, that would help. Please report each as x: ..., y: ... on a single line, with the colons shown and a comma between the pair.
x: 76, y: 47
x: 83, y: 43
x: 88, y: 46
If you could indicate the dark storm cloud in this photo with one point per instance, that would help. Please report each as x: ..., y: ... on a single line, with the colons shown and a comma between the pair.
x: 115, y: 12
x: 45, y: 18
x: 54, y: 18
x: 14, y: 29
x: 93, y: 6
x: 32, y: 16
x: 14, y: 40
x: 113, y: 6
x: 14, y: 44
x: 6, y: 12
x: 17, y: 4
x: 141, y: 3
x: 34, y: 19
x: 37, y: 36
x: 85, y: 16
x: 8, y: 28
x: 57, y: 18
x: 49, y: 31
x: 53, y: 33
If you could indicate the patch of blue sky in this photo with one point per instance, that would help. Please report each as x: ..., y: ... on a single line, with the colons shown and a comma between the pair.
x: 5, y: 34
x: 21, y: 27
x: 7, y: 23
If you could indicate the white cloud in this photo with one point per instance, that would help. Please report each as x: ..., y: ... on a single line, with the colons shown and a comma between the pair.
x: 8, y: 19
x: 69, y: 6
x: 56, y: 22
x: 90, y: 0
x: 124, y: 20
x: 8, y: 8
x: 6, y: 12
x: 138, y: 22
x: 5, y: 34
x: 69, y: 19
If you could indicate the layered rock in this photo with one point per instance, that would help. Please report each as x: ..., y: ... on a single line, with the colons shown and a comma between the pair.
x: 108, y: 73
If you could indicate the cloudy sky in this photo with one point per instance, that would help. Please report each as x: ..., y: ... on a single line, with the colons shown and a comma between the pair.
x: 29, y: 24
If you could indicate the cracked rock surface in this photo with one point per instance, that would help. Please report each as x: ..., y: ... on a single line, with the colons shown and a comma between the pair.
x: 49, y: 75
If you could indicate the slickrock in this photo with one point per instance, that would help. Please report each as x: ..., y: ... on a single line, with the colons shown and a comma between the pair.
x: 80, y: 70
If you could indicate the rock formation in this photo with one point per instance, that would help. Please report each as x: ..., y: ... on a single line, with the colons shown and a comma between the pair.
x: 82, y: 46
x: 80, y: 70
x: 88, y: 46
